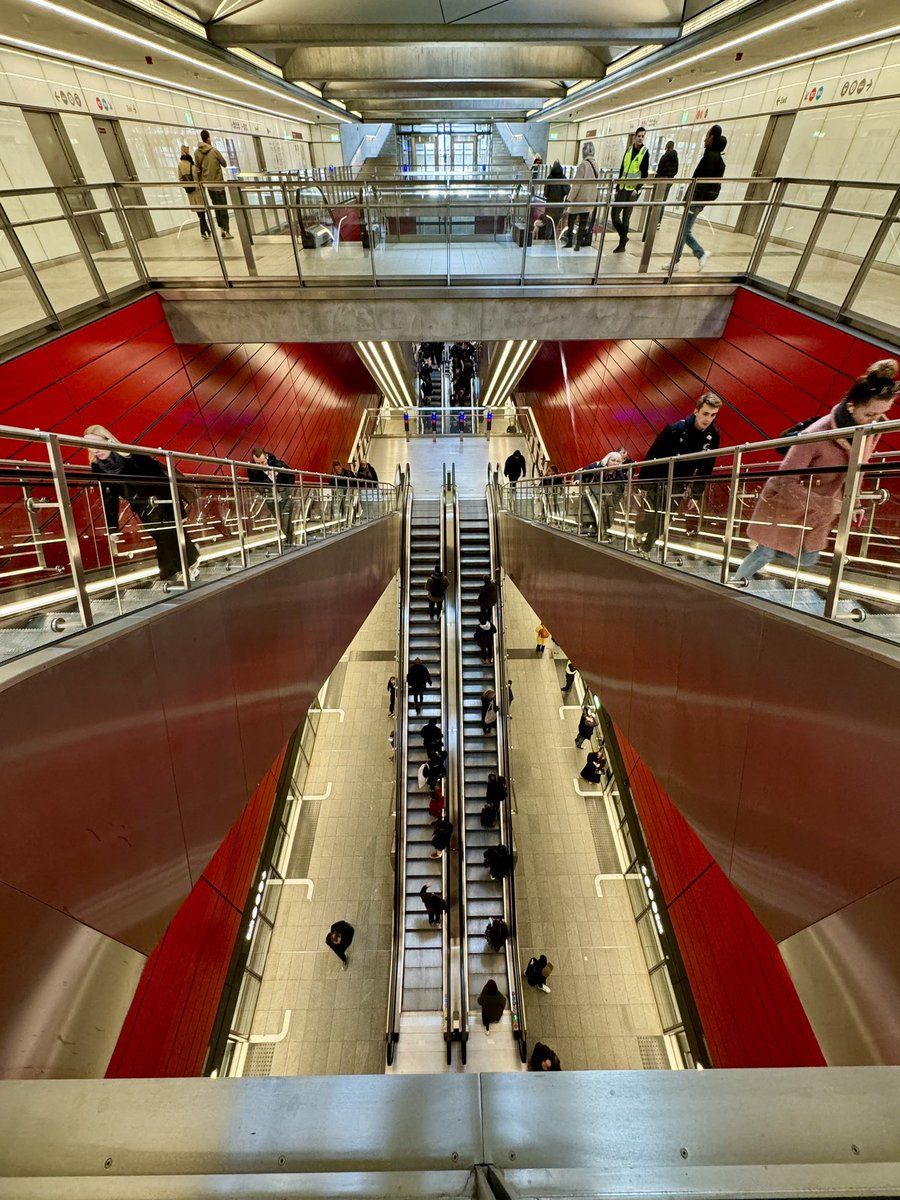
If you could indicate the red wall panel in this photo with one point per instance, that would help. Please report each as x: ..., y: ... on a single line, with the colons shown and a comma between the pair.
x: 750, y: 1011
x: 171, y: 1017
x: 773, y: 366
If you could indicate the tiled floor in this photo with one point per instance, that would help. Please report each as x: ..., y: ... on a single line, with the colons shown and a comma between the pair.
x: 600, y: 1002
x: 184, y: 255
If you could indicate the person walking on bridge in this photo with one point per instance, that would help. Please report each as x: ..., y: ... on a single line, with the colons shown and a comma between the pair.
x: 208, y: 164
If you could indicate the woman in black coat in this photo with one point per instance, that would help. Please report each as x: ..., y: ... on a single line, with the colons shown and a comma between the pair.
x: 544, y: 1059
x: 139, y: 480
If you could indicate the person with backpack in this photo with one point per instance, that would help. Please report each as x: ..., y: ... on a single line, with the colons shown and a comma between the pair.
x: 435, y: 589
x: 582, y: 198
x: 710, y: 168
x: 635, y: 167
x: 208, y: 164
x: 188, y: 180
x: 542, y: 637
x: 338, y: 940
x: 797, y: 508
x: 537, y: 972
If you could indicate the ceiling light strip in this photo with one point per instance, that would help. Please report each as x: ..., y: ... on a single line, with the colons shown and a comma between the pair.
x: 741, y: 40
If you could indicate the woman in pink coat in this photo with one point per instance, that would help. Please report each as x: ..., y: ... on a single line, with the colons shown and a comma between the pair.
x: 796, y: 511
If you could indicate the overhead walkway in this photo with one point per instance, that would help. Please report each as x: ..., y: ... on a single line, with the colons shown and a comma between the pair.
x: 754, y: 708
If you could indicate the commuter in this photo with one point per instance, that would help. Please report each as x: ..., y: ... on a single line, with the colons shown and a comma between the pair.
x: 555, y: 196
x: 340, y: 484
x: 432, y: 735
x: 441, y: 835
x: 392, y: 694
x: 432, y: 775
x: 141, y: 482
x: 498, y: 861
x: 515, y: 467
x: 366, y: 471
x: 436, y: 803
x: 570, y: 678
x: 635, y: 166
x: 537, y: 166
x: 492, y: 1002
x: 582, y: 199
x: 688, y: 436
x: 586, y: 727
x: 594, y: 767
x: 710, y: 168
x: 509, y: 698
x: 496, y: 934
x: 338, y: 940
x: 609, y: 493
x: 208, y: 164
x: 537, y: 972
x: 487, y: 597
x: 549, y: 483
x: 418, y: 678
x: 270, y: 470
x: 435, y: 588
x: 188, y: 179
x: 435, y: 904
x: 488, y: 710
x: 542, y: 633
x: 392, y: 742
x: 544, y: 1059
x: 797, y: 508
x: 496, y: 789
x: 667, y: 168
x: 484, y: 637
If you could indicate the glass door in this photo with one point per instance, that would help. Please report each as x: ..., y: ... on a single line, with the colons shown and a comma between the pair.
x: 462, y: 152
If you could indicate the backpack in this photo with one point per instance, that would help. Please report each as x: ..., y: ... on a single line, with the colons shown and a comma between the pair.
x: 794, y: 431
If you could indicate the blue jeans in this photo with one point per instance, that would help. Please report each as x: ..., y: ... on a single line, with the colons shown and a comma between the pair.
x: 696, y: 249
x: 763, y: 555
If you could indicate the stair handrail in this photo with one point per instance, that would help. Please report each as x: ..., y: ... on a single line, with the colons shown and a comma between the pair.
x: 401, y: 741
x: 450, y: 786
x: 507, y: 833
x: 459, y: 792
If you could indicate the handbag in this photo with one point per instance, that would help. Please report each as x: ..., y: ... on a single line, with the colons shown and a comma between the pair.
x: 491, y: 715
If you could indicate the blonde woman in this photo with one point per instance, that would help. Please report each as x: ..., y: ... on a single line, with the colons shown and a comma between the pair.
x: 141, y: 482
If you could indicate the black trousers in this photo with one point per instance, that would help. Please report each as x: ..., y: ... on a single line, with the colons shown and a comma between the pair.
x: 218, y: 200
x: 283, y: 514
x: 165, y: 536
x: 621, y: 213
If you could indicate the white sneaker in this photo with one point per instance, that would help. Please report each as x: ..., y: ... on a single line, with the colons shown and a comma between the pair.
x: 344, y: 964
x: 229, y: 237
x: 544, y: 988
x: 704, y: 259
x: 487, y: 1032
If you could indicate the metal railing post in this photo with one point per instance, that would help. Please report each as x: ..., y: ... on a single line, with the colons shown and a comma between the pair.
x: 238, y: 515
x: 669, y: 499
x: 295, y: 249
x: 28, y: 269
x: 214, y: 233
x: 848, y: 508
x: 82, y: 245
x: 678, y: 246
x: 806, y: 254
x: 70, y: 531
x: 881, y: 234
x: 134, y: 251
x: 629, y: 492
x: 178, y: 520
x: 776, y: 201
x: 733, y: 498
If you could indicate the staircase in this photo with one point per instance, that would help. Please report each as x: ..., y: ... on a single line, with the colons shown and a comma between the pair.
x: 385, y: 164
x: 505, y: 165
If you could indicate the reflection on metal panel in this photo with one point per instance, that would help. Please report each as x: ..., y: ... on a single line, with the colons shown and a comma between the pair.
x: 115, y: 796
x: 856, y: 1019
x: 64, y: 992
x: 759, y: 723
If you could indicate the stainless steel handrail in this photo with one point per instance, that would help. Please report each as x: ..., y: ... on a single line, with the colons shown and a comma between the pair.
x: 450, y: 786
x: 401, y: 742
x: 462, y: 908
x: 513, y: 963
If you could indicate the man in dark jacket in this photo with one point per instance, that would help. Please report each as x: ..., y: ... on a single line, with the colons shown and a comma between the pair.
x: 268, y: 471
x: 498, y: 861
x: 667, y: 168
x: 688, y: 436
x: 487, y: 598
x: 435, y: 904
x: 435, y: 589
x: 635, y: 167
x: 710, y: 168
x: 338, y: 939
x: 515, y: 467
x: 366, y: 471
x: 418, y: 679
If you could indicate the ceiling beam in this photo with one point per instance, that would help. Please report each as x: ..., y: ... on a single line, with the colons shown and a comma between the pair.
x: 239, y: 33
x: 461, y: 63
x: 528, y: 92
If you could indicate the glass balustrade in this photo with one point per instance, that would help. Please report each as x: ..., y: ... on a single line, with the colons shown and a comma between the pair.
x: 79, y: 548
x: 830, y: 246
x: 825, y: 542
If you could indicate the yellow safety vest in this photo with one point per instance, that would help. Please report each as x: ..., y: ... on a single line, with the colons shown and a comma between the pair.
x: 632, y: 166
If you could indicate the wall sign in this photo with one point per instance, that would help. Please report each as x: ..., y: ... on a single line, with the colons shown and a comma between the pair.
x: 66, y: 98
x: 103, y: 103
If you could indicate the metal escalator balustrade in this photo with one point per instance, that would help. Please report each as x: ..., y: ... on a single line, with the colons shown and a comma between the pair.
x: 708, y: 529
x: 78, y: 548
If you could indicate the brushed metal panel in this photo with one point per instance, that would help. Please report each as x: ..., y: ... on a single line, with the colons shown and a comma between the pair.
x: 90, y: 815
x: 817, y: 826
x: 64, y: 992
x: 857, y: 1020
x: 199, y: 706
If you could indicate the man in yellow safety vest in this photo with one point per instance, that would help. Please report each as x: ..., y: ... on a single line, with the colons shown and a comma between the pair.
x: 635, y: 166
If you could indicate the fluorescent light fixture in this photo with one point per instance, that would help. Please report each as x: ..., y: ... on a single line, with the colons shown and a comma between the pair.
x: 846, y: 44
x: 146, y: 45
x: 711, y: 15
x: 510, y: 366
x: 257, y: 60
x: 32, y: 49
x: 371, y: 354
x: 173, y: 16
x: 739, y: 41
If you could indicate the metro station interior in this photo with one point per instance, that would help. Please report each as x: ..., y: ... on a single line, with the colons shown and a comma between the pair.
x: 449, y: 598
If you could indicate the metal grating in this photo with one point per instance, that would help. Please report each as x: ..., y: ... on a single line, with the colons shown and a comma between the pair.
x: 261, y: 1055
x: 653, y: 1053
x: 604, y: 846
x: 304, y: 839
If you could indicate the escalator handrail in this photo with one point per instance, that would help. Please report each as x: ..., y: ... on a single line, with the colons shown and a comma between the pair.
x: 513, y: 963
x: 446, y: 1000
x: 398, y: 939
x: 460, y: 783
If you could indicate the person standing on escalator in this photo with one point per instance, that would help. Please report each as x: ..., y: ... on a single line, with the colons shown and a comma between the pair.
x: 271, y: 476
